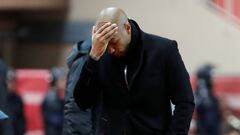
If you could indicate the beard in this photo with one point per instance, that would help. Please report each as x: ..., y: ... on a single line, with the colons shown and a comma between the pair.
x: 118, y: 54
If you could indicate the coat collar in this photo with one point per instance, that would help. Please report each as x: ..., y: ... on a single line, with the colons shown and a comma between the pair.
x: 136, y: 61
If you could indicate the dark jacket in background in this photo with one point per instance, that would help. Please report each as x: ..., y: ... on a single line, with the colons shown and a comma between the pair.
x: 142, y: 105
x: 16, y: 113
x: 52, y: 108
x: 77, y: 121
x: 207, y: 106
x: 5, y: 125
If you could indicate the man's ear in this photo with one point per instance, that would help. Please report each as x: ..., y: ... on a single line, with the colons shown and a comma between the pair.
x: 127, y: 27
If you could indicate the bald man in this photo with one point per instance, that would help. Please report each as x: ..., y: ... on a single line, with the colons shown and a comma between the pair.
x: 136, y: 76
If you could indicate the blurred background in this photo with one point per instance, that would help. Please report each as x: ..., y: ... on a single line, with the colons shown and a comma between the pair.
x: 36, y: 37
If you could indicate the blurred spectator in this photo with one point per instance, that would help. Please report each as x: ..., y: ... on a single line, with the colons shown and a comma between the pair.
x: 207, y: 108
x: 15, y: 105
x: 53, y: 104
x: 5, y: 125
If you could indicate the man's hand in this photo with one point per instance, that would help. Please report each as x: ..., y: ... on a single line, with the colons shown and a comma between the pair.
x: 100, y: 38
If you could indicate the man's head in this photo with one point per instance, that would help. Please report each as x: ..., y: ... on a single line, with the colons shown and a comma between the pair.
x: 119, y: 43
x: 11, y: 80
x: 58, y: 80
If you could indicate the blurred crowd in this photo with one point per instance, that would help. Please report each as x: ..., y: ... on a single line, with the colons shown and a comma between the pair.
x: 12, y: 104
x: 212, y: 115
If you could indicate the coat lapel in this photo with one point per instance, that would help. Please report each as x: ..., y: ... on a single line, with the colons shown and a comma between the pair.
x: 138, y: 62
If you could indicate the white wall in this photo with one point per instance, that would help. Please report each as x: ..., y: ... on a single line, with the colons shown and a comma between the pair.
x: 203, y: 35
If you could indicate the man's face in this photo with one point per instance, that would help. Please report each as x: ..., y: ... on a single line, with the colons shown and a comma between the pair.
x: 11, y: 84
x: 118, y: 44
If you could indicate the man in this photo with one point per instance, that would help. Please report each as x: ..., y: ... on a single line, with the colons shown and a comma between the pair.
x: 207, y: 106
x: 15, y: 105
x: 136, y: 76
x: 52, y: 106
x: 5, y: 125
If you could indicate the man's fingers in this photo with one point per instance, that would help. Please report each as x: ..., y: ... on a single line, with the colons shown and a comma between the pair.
x: 93, y: 30
x: 107, y: 30
x: 110, y: 34
x: 103, y: 27
x: 110, y: 37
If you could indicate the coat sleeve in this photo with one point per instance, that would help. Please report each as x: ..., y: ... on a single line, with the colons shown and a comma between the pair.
x: 180, y: 92
x: 86, y: 92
